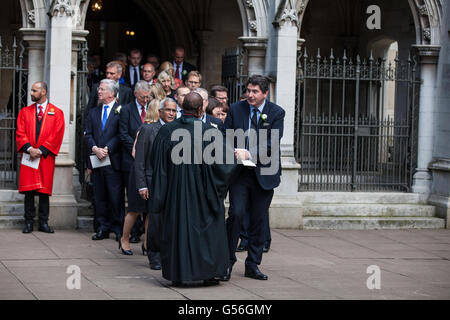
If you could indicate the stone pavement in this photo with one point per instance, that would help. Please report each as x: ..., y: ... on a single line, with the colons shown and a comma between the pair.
x: 301, y: 265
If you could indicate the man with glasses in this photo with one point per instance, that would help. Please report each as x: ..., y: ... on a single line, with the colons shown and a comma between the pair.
x: 194, y: 80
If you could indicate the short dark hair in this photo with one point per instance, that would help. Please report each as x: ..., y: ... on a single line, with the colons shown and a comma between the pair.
x: 134, y: 50
x: 259, y: 80
x: 212, y: 104
x: 192, y: 102
x: 218, y: 88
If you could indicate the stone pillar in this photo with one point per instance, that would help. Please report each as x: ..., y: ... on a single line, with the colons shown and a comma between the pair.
x: 286, y: 44
x: 36, y: 56
x: 63, y: 210
x: 429, y: 56
x: 256, y: 54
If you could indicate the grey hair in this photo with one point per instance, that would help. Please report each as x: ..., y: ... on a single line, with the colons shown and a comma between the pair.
x: 142, y: 85
x: 114, y: 64
x: 164, y: 101
x: 200, y: 91
x: 111, y: 85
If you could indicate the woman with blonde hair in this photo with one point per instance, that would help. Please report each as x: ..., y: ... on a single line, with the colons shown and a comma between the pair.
x: 157, y: 92
x: 167, y: 82
x: 168, y: 66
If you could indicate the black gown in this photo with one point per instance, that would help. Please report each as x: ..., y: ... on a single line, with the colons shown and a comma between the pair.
x: 191, y: 199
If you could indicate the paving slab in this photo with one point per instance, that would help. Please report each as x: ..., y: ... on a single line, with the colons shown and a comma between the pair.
x: 301, y: 264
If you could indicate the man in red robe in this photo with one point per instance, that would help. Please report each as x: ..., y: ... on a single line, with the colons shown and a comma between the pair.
x: 39, y: 135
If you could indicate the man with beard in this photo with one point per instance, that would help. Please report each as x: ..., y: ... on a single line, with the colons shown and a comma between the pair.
x: 189, y: 194
x: 39, y: 135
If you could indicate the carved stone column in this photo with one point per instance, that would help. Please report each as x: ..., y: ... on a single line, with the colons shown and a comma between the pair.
x: 36, y: 56
x: 63, y: 210
x: 256, y: 54
x: 429, y: 56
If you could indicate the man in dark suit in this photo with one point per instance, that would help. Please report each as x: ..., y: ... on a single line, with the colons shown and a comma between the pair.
x: 144, y: 171
x: 131, y: 119
x: 123, y: 96
x: 254, y: 188
x: 133, y: 72
x: 102, y: 138
x: 182, y: 68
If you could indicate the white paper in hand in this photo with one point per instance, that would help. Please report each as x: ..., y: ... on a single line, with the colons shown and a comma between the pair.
x: 26, y: 161
x: 96, y: 163
x: 247, y: 163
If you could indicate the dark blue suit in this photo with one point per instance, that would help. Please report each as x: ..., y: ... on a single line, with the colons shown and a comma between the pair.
x: 253, y: 191
x: 107, y: 181
x: 218, y: 122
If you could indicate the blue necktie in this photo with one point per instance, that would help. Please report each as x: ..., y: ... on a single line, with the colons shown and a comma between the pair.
x: 105, y: 117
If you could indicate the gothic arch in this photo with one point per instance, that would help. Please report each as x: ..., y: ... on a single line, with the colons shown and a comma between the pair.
x: 427, y: 16
x: 254, y: 16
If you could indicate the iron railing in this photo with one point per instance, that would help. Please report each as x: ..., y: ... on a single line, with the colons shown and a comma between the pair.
x: 13, y: 79
x: 355, y: 123
x: 233, y: 77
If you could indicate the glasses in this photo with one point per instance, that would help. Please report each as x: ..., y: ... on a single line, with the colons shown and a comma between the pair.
x: 143, y: 98
x: 193, y: 82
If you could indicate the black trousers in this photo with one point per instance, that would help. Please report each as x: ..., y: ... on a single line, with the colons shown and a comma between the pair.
x: 30, y: 209
x: 247, y: 197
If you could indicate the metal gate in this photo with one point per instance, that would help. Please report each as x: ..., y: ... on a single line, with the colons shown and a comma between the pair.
x: 13, y: 88
x: 233, y: 77
x: 82, y: 99
x: 356, y: 123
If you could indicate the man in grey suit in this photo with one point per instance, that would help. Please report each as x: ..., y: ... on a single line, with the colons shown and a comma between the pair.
x: 143, y: 171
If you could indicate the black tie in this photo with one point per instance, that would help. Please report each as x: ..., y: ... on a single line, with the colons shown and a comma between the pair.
x: 135, y: 76
x: 254, y: 125
x: 255, y: 119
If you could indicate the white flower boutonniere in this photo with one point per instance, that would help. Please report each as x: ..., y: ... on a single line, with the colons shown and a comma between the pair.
x: 117, y: 111
x: 214, y: 125
x: 184, y: 72
x: 263, y: 117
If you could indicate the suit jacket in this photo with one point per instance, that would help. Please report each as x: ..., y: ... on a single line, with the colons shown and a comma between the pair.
x: 125, y: 97
x: 188, y: 68
x: 238, y: 118
x: 109, y: 137
x: 128, y: 76
x: 142, y: 165
x: 130, y: 122
x: 212, y: 120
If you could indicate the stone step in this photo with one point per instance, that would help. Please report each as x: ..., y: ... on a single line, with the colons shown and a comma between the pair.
x: 11, y: 196
x: 361, y: 197
x: 11, y: 222
x: 85, y: 223
x: 11, y: 209
x: 366, y: 223
x: 369, y: 210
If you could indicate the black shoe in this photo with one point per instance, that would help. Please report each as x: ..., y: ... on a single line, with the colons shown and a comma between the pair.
x: 241, y: 247
x: 100, y: 235
x: 211, y: 282
x: 45, y: 228
x: 135, y: 239
x: 227, y: 276
x: 125, y: 252
x: 177, y: 283
x: 266, y: 248
x: 255, y: 274
x: 28, y: 227
x: 155, y: 265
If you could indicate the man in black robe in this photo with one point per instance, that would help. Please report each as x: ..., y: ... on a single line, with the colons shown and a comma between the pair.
x: 190, y: 195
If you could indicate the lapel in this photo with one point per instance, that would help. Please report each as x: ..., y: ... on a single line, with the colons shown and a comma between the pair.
x: 246, y: 112
x: 110, y: 117
x: 98, y: 119
x: 266, y: 111
x: 135, y: 113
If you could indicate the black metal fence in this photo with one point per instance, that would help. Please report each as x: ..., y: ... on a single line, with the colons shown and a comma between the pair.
x: 356, y: 123
x: 233, y: 77
x: 13, y: 82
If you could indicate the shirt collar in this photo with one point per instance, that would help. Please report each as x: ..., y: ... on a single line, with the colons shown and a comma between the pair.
x: 162, y: 122
x: 260, y: 108
x: 204, y: 118
x: 139, y: 105
x: 44, y: 105
x: 110, y: 105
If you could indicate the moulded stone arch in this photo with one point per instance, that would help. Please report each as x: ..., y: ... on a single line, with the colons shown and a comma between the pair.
x: 254, y: 14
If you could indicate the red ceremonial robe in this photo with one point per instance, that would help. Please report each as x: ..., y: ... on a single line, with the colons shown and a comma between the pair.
x: 50, y: 137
